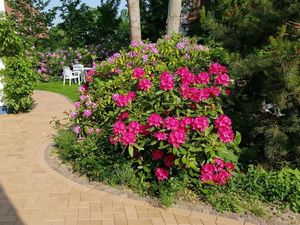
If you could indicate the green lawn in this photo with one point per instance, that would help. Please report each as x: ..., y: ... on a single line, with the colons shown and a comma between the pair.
x: 58, y: 87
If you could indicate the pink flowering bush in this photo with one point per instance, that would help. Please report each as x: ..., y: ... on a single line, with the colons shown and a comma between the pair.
x: 218, y: 172
x: 51, y: 62
x: 161, y: 111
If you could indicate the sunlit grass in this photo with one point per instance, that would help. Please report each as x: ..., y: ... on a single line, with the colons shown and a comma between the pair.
x: 58, y: 87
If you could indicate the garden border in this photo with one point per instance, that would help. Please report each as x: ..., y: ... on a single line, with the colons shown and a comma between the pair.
x: 64, y: 172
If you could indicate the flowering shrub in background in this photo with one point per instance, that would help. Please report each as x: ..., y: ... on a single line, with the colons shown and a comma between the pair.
x: 160, y: 106
x: 51, y: 63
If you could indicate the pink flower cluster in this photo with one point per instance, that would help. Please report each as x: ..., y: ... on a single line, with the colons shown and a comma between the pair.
x: 123, y: 100
x: 126, y: 133
x: 77, y: 129
x: 176, y: 127
x: 220, y: 71
x: 85, y: 103
x: 168, y: 161
x: 155, y: 120
x: 161, y: 174
x: 218, y: 172
x: 144, y: 84
x: 166, y: 81
x: 224, y: 125
x: 189, y: 84
x: 138, y: 72
x: 89, y: 75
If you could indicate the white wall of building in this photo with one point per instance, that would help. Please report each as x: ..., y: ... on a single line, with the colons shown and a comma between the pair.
x: 2, y: 9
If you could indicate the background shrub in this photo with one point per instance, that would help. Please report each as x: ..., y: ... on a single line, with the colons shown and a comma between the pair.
x: 250, y: 191
x: 19, y: 74
x: 19, y: 79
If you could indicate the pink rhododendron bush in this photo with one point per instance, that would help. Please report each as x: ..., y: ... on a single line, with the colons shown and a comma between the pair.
x: 159, y: 107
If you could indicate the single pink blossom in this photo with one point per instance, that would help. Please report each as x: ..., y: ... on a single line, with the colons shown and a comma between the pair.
x: 73, y: 115
x: 215, y: 91
x: 222, y: 177
x: 77, y: 105
x: 157, y: 154
x: 87, y: 113
x: 135, y: 127
x: 200, y: 123
x: 216, y: 68
x: 131, y: 95
x: 161, y: 136
x: 161, y: 174
x: 203, y: 78
x: 128, y: 138
x: 208, y: 168
x: 82, y: 88
x: 98, y: 130
x: 226, y: 135
x: 155, y: 120
x: 77, y: 129
x: 138, y: 72
x: 90, y: 130
x: 123, y: 100
x: 144, y: 84
x: 169, y: 160
x: 177, y: 138
x: 171, y: 123
x: 223, y: 121
x: 88, y: 103
x: 184, y: 122
x: 222, y: 79
x: 166, y: 81
x: 187, y: 77
x: 123, y: 116
x: 220, y: 163
x: 228, y: 92
x: 182, y: 70
x: 206, y: 177
x: 119, y: 127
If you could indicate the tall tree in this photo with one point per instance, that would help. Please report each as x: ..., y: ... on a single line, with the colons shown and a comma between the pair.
x: 134, y: 20
x: 31, y: 17
x: 173, y: 21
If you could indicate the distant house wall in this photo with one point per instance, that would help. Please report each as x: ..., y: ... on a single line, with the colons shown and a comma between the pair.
x: 2, y: 9
x: 20, y: 16
x: 2, y: 6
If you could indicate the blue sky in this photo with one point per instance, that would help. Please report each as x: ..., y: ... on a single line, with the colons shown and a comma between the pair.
x: 92, y: 3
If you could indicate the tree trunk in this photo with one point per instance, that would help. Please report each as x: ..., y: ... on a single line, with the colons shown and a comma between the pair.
x: 173, y: 21
x: 134, y: 20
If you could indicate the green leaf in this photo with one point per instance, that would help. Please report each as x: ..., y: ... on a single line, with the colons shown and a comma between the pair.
x: 137, y: 146
x: 130, y: 150
x: 238, y: 138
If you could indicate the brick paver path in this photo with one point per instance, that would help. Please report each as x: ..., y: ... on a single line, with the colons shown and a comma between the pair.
x: 33, y: 194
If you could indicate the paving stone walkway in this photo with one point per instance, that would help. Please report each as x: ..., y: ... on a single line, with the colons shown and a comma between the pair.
x: 33, y: 194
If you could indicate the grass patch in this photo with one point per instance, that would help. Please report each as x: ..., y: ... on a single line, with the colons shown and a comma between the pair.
x: 58, y: 87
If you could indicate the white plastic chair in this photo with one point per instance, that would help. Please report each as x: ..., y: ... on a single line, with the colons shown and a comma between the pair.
x: 79, y: 67
x: 70, y: 75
